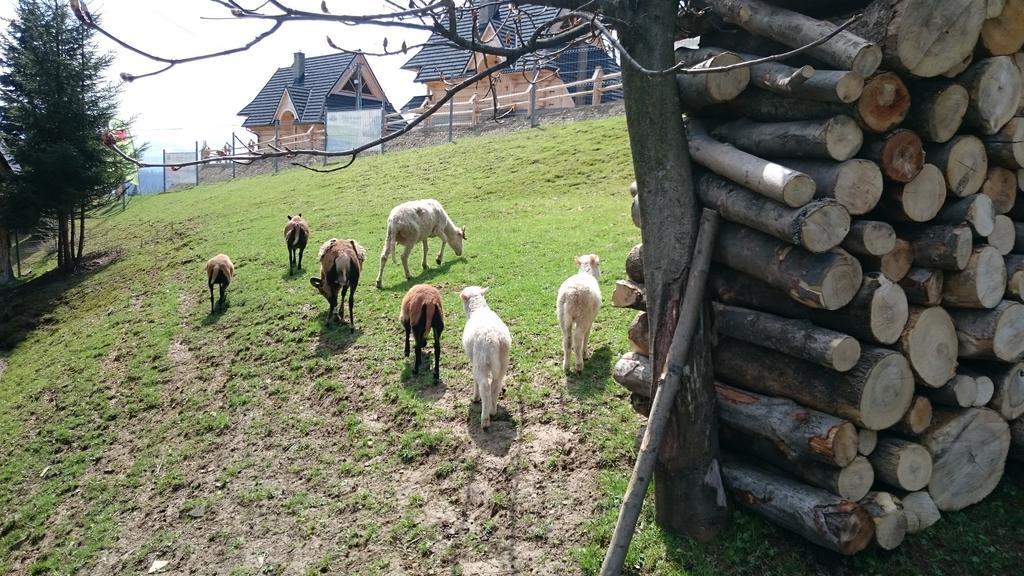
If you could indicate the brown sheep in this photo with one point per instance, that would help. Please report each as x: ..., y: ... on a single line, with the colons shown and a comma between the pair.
x: 422, y: 311
x: 219, y: 270
x: 341, y: 262
x: 296, y: 234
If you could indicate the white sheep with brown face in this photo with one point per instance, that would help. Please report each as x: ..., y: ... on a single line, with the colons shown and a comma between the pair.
x: 219, y: 270
x: 579, y: 299
x: 487, y: 342
x: 414, y: 222
x: 341, y: 262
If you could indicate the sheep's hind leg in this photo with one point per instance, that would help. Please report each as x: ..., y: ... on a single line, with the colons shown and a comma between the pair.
x: 408, y: 329
x: 497, y: 380
x: 437, y: 355
x: 484, y: 390
x: 405, y: 260
x: 301, y: 250
x: 424, y: 253
x: 380, y: 273
x: 580, y: 342
x: 566, y: 324
x: 211, y: 298
x: 440, y: 255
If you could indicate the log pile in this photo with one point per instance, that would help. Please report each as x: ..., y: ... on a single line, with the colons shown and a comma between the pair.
x: 868, y: 279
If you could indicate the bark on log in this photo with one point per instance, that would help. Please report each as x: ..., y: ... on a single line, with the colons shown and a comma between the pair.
x: 797, y: 338
x: 1018, y: 239
x: 699, y: 90
x: 877, y: 313
x: 870, y: 238
x: 895, y: 264
x: 890, y: 521
x: 628, y: 294
x: 821, y: 518
x: 963, y: 162
x: 1014, y: 276
x: 1008, y: 386
x: 789, y: 431
x: 828, y: 281
x: 782, y: 79
x: 874, y: 394
x: 900, y: 154
x: 920, y: 510
x: 867, y: 440
x: 1006, y: 147
x: 986, y: 390
x: 635, y: 264
x: 961, y: 391
x: 916, y: 201
x: 1017, y: 440
x: 994, y: 85
x: 922, y: 37
x: 937, y: 109
x: 1001, y: 186
x: 923, y: 286
x: 917, y: 419
x: 766, y: 178
x: 976, y: 210
x: 1003, y: 237
x: 901, y: 463
x: 1003, y: 34
x: 856, y: 183
x: 633, y: 372
x: 836, y: 86
x: 738, y: 289
x: 996, y: 334
x: 979, y: 285
x: 818, y: 226
x: 639, y: 334
x: 930, y: 345
x: 942, y: 247
x: 969, y: 449
x: 845, y: 51
x: 837, y: 138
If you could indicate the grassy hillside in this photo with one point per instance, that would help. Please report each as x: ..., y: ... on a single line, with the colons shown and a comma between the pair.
x: 134, y: 426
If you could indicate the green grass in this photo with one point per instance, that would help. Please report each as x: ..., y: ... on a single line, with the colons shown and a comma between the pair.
x: 135, y: 426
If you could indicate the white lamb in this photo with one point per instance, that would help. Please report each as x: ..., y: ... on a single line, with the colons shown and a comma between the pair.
x: 487, y: 342
x: 579, y: 299
x: 414, y: 222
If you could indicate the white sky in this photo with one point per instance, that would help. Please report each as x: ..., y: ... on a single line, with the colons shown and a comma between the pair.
x: 199, y: 101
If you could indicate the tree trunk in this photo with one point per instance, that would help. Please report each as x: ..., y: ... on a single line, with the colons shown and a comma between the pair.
x: 71, y: 236
x: 817, y: 226
x: 976, y: 210
x: 930, y: 345
x: 797, y: 338
x: 994, y: 85
x: 828, y: 281
x: 856, y: 183
x: 837, y: 138
x: 635, y: 264
x: 1003, y: 237
x: 920, y: 510
x: 867, y: 440
x: 1001, y: 186
x: 1006, y: 147
x: 81, y: 234
x: 874, y: 394
x: 980, y: 285
x: 870, y: 238
x: 890, y: 521
x: 901, y: 463
x: 699, y: 90
x: 900, y: 154
x: 689, y: 495
x: 996, y: 334
x: 1003, y: 34
x: 6, y: 273
x: 963, y: 162
x: 942, y: 247
x: 1008, y: 386
x: 969, y: 448
x: 923, y: 286
x: 937, y: 109
x: 895, y: 265
x: 916, y: 201
x: 822, y: 518
x: 961, y: 391
x: 629, y: 294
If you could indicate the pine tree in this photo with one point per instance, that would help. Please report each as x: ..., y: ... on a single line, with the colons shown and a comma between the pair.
x: 56, y: 106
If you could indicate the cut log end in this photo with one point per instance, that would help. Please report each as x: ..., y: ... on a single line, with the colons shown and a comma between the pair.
x: 981, y: 284
x: 867, y: 440
x: 930, y: 343
x: 884, y: 103
x: 986, y: 389
x: 900, y: 155
x: 855, y: 479
x: 922, y: 507
x: 888, y: 392
x: 970, y: 447
x: 843, y: 138
x: 889, y: 519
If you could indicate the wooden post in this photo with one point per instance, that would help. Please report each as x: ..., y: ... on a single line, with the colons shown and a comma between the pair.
x: 474, y: 101
x: 451, y: 118
x: 597, y: 86
x: 533, y: 106
x: 233, y: 163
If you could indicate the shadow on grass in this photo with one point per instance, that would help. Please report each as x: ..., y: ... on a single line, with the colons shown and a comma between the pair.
x: 497, y: 440
x: 423, y: 384
x: 218, y: 311
x: 296, y: 274
x: 423, y: 278
x: 335, y: 337
x: 27, y: 305
x: 596, y: 371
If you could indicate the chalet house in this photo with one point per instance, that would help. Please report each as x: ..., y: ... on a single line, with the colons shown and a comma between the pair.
x: 439, y: 64
x: 292, y: 107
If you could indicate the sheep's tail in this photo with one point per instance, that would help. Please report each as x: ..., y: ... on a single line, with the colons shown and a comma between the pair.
x: 389, y: 245
x: 342, y: 262
x: 429, y: 309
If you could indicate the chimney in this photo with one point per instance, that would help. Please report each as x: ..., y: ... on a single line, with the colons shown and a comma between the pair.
x: 298, y: 67
x: 485, y: 13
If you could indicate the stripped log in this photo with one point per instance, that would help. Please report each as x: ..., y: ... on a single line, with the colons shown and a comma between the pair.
x: 890, y: 521
x: 818, y: 226
x: 639, y: 334
x: 969, y: 449
x: 916, y: 201
x: 963, y: 162
x: 895, y: 264
x: 961, y: 391
x: 901, y: 463
x: 995, y: 86
x: 838, y: 86
x: 1014, y: 276
x: 1003, y: 237
x: 856, y: 183
x: 900, y: 154
x: 920, y: 510
x: 870, y: 238
x: 1006, y: 147
x: 828, y: 280
x: 766, y: 178
x: 942, y: 247
x: 937, y: 109
x: 797, y: 338
x: 1008, y: 386
x: 981, y: 284
x: 867, y: 440
x: 930, y: 345
x: 1003, y: 34
x: 845, y: 51
x: 635, y: 264
x: 820, y: 517
x: 986, y: 390
x: 1001, y: 186
x: 795, y: 434
x: 923, y: 286
x: 633, y: 372
x: 976, y: 210
x: 782, y: 79
x: 628, y: 294
x: 996, y: 334
x: 874, y: 394
x: 699, y: 90
x: 836, y: 138
x: 917, y: 419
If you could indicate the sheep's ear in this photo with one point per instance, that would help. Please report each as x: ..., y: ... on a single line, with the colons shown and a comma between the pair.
x: 289, y: 218
x: 484, y: 290
x: 594, y: 260
x: 300, y: 214
x: 315, y: 282
x: 462, y: 232
x: 577, y: 259
x: 464, y: 296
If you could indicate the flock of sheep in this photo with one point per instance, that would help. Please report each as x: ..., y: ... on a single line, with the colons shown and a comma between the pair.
x: 485, y: 337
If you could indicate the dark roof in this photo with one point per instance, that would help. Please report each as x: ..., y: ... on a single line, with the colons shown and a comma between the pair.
x: 308, y: 95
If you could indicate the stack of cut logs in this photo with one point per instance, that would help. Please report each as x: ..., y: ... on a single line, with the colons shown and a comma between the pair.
x: 868, y: 280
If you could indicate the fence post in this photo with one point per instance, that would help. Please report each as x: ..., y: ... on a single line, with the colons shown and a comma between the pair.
x: 197, y: 165
x: 598, y: 83
x: 164, y: 168
x: 383, y: 123
x: 233, y: 163
x: 475, y: 117
x: 533, y: 104
x: 451, y: 118
x: 277, y: 142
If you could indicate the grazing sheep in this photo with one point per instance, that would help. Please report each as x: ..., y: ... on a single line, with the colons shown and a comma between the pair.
x: 422, y: 311
x: 219, y: 270
x: 487, y: 342
x: 579, y: 298
x: 341, y: 262
x: 414, y: 222
x: 296, y: 234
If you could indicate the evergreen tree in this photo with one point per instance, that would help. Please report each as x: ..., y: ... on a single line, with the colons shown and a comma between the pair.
x: 56, y: 108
